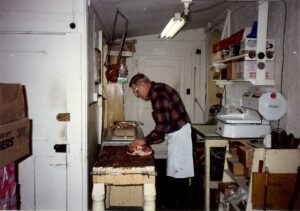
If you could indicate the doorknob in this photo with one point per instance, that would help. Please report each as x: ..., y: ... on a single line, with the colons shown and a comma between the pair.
x: 60, y: 148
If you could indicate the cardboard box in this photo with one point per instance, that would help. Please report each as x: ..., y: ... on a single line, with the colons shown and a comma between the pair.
x: 235, y: 166
x: 14, y: 141
x: 12, y: 102
x: 233, y: 145
x: 247, y: 172
x: 245, y: 154
x: 231, y: 71
x: 249, y: 44
x: 247, y: 70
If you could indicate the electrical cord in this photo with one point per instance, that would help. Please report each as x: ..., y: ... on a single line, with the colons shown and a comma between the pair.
x: 217, y: 153
x: 198, y: 103
x: 283, y: 50
x: 283, y: 44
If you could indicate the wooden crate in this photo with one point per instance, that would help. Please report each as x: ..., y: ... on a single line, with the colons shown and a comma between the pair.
x: 279, y: 190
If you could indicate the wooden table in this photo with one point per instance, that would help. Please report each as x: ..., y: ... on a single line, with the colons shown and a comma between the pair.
x: 211, y: 139
x: 115, y: 167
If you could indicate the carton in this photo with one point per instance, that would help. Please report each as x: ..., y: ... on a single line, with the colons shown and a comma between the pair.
x: 231, y: 71
x: 235, y: 166
x: 12, y: 102
x: 245, y: 154
x: 233, y: 145
x: 249, y: 44
x: 247, y: 70
x: 14, y: 140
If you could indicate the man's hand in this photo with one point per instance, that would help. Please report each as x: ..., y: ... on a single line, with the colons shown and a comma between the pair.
x: 135, y: 143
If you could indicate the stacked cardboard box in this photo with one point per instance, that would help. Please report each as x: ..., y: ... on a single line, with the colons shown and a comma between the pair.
x: 249, y: 44
x: 235, y: 166
x: 247, y: 70
x: 14, y: 140
x: 14, y: 125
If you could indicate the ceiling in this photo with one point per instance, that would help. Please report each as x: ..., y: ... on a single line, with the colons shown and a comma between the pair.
x: 150, y: 16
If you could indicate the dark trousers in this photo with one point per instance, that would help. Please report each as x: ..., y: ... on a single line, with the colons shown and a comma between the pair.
x: 171, y: 193
x: 178, y: 193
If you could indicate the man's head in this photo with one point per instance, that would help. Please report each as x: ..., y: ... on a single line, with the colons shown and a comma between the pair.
x: 140, y: 85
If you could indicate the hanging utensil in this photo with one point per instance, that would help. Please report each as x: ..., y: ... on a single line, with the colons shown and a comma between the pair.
x: 112, y: 72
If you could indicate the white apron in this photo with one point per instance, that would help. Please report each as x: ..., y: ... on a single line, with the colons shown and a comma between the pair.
x: 180, y: 153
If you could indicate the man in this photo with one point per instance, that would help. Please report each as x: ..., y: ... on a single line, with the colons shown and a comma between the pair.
x: 172, y: 124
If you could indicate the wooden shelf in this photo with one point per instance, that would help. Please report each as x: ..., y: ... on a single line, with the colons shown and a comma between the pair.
x: 242, y: 56
x: 222, y: 64
x: 223, y: 83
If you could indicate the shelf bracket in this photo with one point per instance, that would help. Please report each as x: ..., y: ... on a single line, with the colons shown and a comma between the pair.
x: 226, y: 30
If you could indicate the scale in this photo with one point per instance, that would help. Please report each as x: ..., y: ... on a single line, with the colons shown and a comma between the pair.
x: 259, y: 106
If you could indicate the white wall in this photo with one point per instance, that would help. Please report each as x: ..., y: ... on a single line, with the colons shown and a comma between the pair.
x: 183, y: 45
x: 291, y: 73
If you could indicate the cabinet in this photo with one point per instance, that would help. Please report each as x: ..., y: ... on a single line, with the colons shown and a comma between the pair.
x: 281, y: 167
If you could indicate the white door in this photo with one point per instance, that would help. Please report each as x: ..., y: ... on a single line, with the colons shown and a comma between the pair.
x: 50, y: 68
x: 164, y: 69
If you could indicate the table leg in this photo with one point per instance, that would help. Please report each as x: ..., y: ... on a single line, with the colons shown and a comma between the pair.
x: 98, y: 196
x: 149, y: 197
x: 208, y: 145
x: 207, y: 177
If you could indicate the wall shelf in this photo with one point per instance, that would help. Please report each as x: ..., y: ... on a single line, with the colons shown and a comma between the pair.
x: 234, y: 58
x: 260, y: 77
x: 223, y: 83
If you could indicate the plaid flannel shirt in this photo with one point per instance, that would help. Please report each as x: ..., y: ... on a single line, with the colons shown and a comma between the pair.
x: 169, y: 113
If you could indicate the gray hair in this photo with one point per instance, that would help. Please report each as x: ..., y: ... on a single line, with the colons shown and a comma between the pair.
x: 139, y: 78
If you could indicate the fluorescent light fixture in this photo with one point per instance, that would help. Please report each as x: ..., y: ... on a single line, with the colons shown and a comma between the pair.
x: 174, y: 25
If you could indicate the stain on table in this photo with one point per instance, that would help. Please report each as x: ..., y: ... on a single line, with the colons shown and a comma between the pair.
x: 116, y: 156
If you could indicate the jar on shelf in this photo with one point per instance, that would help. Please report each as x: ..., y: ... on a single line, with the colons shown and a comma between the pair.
x: 278, y: 137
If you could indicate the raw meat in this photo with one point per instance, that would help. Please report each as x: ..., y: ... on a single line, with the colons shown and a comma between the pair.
x: 140, y: 151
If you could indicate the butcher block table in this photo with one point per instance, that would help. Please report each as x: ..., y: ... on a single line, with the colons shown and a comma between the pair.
x: 115, y: 167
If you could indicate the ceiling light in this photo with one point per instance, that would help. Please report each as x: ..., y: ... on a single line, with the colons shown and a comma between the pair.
x: 174, y: 25
x: 186, y: 4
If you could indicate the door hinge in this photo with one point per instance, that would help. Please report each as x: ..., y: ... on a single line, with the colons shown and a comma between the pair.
x: 63, y: 117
